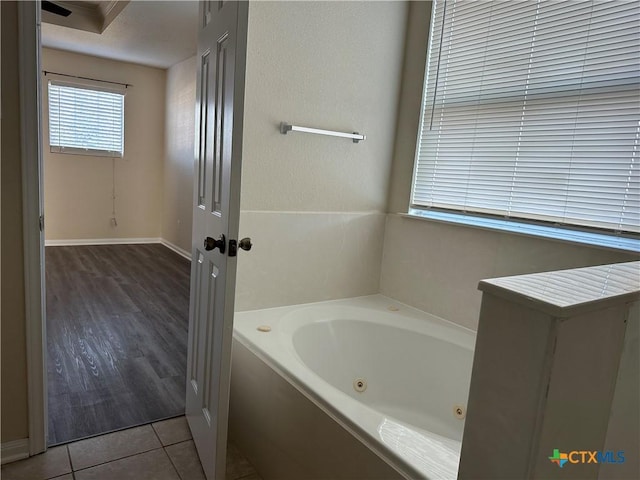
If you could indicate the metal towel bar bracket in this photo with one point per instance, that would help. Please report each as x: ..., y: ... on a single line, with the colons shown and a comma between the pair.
x: 286, y: 127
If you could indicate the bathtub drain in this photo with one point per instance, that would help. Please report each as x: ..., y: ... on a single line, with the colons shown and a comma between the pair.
x: 360, y: 384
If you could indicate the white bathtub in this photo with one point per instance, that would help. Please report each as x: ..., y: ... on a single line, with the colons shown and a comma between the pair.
x: 415, y: 367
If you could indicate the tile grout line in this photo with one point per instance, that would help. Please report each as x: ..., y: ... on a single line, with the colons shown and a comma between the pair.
x: 179, y: 441
x: 69, y: 457
x: 118, y: 459
x: 173, y: 464
x: 164, y: 448
x: 164, y: 445
x: 156, y: 434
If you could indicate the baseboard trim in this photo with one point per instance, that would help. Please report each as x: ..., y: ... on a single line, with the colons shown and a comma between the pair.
x: 172, y: 246
x: 99, y: 241
x: 14, y: 450
x: 117, y: 241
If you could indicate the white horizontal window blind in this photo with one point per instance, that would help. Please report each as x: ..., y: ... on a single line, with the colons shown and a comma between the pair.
x: 531, y: 110
x: 86, y: 121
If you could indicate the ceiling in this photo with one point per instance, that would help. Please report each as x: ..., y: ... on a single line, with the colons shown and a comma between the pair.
x: 153, y: 33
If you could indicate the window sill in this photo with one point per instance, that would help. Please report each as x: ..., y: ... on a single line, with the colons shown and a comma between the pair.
x: 87, y: 152
x: 601, y: 240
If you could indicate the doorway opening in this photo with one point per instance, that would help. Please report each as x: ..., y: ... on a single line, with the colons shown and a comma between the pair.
x: 117, y: 223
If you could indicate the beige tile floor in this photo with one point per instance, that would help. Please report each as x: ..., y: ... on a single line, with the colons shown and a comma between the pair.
x: 160, y: 451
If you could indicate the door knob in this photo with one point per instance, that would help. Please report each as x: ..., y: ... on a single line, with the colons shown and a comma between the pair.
x: 210, y: 243
x: 245, y: 244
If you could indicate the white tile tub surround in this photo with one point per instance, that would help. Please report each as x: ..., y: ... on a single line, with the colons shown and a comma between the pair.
x: 436, y: 266
x: 301, y: 257
x: 314, y: 205
x: 406, y: 419
x: 550, y: 357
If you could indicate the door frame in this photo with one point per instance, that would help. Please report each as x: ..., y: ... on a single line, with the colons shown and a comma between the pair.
x: 29, y: 51
x: 29, y: 47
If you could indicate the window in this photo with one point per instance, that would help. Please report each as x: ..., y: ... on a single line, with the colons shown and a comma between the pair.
x: 84, y: 120
x: 531, y: 111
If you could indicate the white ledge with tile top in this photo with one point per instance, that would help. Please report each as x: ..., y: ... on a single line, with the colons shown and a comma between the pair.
x: 554, y: 352
x: 565, y: 293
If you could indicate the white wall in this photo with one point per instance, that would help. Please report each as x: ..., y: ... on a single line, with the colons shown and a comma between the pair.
x: 314, y: 205
x: 78, y: 188
x: 435, y: 266
x: 179, y: 154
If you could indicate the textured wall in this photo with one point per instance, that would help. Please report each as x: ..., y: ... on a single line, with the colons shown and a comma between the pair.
x: 312, y: 203
x: 77, y: 188
x: 14, y: 363
x: 332, y: 65
x: 179, y: 153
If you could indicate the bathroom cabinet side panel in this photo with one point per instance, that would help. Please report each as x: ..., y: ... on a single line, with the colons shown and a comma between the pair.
x: 510, y: 374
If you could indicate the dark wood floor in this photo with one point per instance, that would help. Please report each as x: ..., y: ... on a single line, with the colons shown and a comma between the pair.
x: 117, y: 320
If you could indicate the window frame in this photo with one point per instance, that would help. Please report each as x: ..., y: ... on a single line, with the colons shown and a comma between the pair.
x: 74, y: 150
x: 577, y: 234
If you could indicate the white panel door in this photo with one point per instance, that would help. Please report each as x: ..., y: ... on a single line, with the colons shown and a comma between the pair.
x: 222, y: 40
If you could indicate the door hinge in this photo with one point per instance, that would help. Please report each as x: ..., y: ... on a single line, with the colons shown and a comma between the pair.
x: 41, y: 223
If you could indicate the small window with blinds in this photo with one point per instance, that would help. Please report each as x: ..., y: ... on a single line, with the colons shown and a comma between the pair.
x: 531, y: 110
x: 85, y: 120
